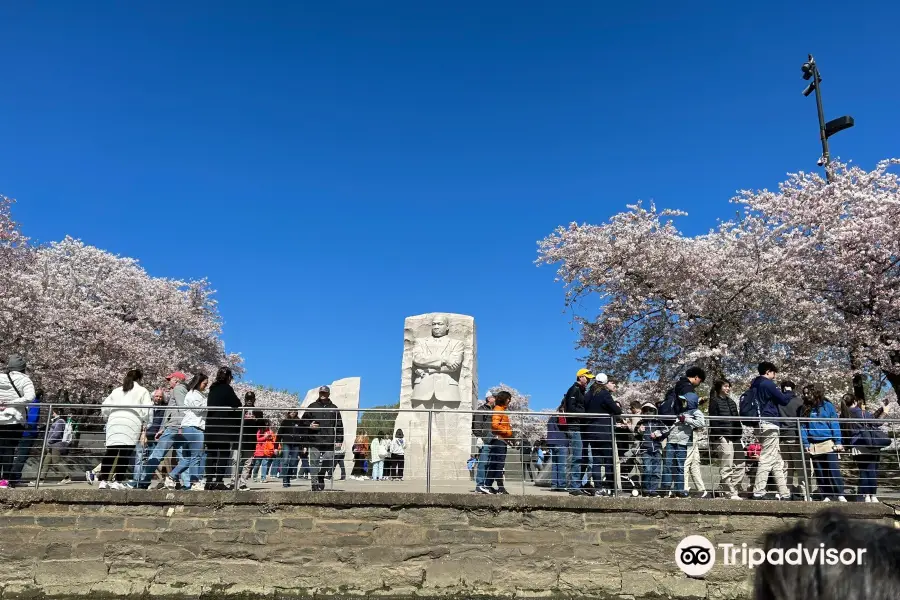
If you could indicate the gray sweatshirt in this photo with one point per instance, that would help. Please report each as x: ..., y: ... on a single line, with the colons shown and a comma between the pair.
x: 175, y: 415
x: 683, y: 433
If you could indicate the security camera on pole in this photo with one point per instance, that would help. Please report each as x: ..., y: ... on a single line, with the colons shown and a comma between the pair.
x: 826, y: 130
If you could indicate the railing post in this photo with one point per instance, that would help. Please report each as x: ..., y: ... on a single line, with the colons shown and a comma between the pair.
x: 428, y: 456
x: 37, y: 477
x: 709, y: 455
x: 239, y: 467
x: 617, y: 467
x: 807, y: 491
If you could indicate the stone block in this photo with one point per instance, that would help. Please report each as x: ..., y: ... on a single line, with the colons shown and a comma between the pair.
x: 538, y: 537
x: 297, y: 523
x: 525, y: 576
x: 614, y: 535
x: 55, y: 521
x: 556, y: 520
x: 343, y: 526
x: 432, y: 516
x: 111, y: 535
x: 464, y: 536
x: 100, y: 522
x: 445, y: 573
x: 70, y: 572
x: 18, y: 520
x: 89, y: 551
x: 148, y: 523
x: 642, y: 535
x: 267, y: 525
x: 399, y: 534
x: 683, y: 587
x: 580, y: 577
x: 486, y: 519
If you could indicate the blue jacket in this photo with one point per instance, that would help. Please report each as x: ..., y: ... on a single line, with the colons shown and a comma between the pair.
x: 651, y: 423
x: 556, y: 437
x: 813, y: 432
x: 855, y: 429
x: 770, y: 397
x: 32, y: 418
x: 599, y: 401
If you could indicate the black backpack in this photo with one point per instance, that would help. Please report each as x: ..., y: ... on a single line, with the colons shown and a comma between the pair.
x: 670, y: 405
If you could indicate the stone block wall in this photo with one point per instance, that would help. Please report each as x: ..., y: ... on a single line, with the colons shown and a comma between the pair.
x: 74, y: 543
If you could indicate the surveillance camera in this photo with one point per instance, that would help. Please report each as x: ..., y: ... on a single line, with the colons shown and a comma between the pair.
x: 821, y: 161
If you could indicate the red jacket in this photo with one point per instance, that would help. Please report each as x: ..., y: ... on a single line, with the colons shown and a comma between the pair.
x: 265, y: 443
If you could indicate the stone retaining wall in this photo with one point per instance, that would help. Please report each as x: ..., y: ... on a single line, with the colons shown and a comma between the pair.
x: 66, y: 544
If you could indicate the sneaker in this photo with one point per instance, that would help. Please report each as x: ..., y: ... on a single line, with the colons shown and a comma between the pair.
x: 170, y: 483
x: 867, y: 498
x: 736, y: 497
x: 874, y: 499
x: 841, y: 499
x: 826, y: 499
x: 243, y: 485
x: 65, y: 480
x: 197, y: 487
x: 103, y: 485
x: 89, y: 475
x: 115, y: 485
x: 502, y: 491
x: 483, y: 489
x: 704, y: 495
x: 635, y: 493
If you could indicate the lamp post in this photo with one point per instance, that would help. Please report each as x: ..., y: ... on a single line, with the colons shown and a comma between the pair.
x: 826, y: 130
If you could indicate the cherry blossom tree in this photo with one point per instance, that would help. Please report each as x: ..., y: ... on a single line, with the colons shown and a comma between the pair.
x: 83, y: 316
x: 806, y: 276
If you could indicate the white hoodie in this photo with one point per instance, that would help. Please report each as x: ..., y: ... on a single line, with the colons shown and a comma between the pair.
x: 194, y: 410
x: 12, y: 403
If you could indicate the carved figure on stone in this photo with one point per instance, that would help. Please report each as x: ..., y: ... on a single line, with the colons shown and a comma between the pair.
x: 436, y: 367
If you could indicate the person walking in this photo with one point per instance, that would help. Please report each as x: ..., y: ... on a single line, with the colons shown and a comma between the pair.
x: 30, y: 436
x: 167, y: 437
x: 558, y: 441
x: 597, y: 430
x: 865, y: 454
x: 56, y: 445
x: 502, y: 433
x: 481, y: 431
x: 192, y: 431
x: 398, y: 455
x: 127, y: 412
x: 725, y: 435
x: 768, y: 397
x: 290, y: 432
x: 324, y: 433
x: 222, y: 428
x: 16, y: 392
x: 692, y: 471
x: 822, y: 439
x: 574, y: 414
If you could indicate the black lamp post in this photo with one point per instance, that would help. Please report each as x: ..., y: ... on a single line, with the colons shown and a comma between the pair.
x: 826, y: 130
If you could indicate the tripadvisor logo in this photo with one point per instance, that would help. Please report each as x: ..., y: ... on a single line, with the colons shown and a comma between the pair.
x: 695, y: 555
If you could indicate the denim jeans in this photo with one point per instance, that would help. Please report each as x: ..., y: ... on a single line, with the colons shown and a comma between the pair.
x: 828, y: 475
x: 260, y: 467
x: 868, y: 473
x: 193, y: 439
x: 304, y: 467
x: 484, y: 455
x: 496, y: 462
x: 601, y: 456
x: 166, y: 441
x: 289, y: 461
x: 652, y: 465
x: 673, y: 472
x: 378, y: 470
x: 141, y: 454
x: 576, y: 459
x: 559, y: 467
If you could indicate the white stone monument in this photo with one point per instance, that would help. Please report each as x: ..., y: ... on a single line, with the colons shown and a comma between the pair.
x: 439, y: 372
x: 345, y: 395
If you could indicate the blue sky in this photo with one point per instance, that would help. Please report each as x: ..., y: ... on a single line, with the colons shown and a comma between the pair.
x: 335, y: 167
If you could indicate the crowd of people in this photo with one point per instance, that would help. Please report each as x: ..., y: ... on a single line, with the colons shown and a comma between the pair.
x: 765, y: 435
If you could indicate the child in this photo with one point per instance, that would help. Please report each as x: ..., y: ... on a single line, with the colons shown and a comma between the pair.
x: 265, y: 450
x: 651, y: 432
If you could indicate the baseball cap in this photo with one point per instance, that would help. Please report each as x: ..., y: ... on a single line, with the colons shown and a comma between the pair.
x: 325, y: 389
x: 649, y: 405
x: 489, y: 394
x: 584, y: 372
x: 602, y: 378
x: 177, y: 375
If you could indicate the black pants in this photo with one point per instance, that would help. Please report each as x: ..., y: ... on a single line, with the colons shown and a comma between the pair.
x: 399, y: 464
x: 115, y: 461
x: 339, y: 463
x: 218, y: 461
x: 23, y: 452
x: 526, y: 468
x: 10, y: 436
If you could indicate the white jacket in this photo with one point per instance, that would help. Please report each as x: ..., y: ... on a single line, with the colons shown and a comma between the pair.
x: 12, y: 406
x: 124, y: 425
x: 398, y: 446
x: 379, y: 449
x: 195, y: 410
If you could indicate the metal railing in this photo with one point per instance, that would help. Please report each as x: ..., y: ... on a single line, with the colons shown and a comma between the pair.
x: 605, y: 455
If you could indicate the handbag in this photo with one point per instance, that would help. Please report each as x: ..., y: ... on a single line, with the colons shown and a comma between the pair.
x: 825, y: 447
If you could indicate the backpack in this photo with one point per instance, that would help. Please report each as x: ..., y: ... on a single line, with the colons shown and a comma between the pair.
x: 68, y: 434
x: 749, y: 405
x: 668, y: 405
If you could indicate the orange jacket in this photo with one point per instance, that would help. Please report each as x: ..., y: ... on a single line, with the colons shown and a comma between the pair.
x: 500, y: 426
x: 265, y: 443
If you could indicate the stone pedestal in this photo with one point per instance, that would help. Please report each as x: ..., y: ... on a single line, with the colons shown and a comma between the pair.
x: 345, y: 394
x: 431, y: 379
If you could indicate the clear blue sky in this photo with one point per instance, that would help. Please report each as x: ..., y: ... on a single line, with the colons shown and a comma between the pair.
x: 334, y: 167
